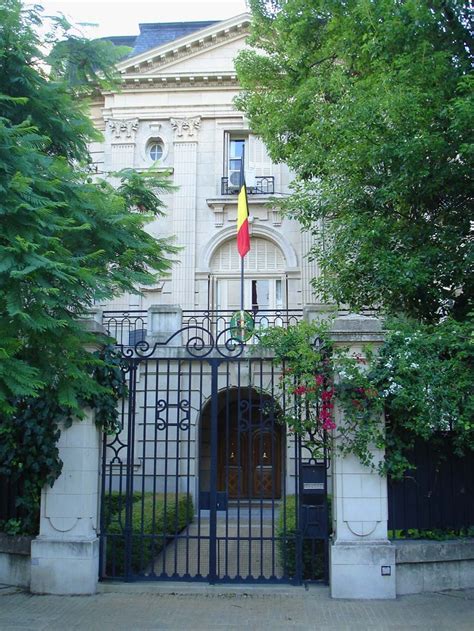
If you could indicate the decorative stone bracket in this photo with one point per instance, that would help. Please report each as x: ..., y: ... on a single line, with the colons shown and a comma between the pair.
x: 225, y: 209
x: 186, y: 129
x: 123, y: 130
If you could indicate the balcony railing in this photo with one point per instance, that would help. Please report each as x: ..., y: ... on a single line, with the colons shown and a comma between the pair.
x: 130, y: 327
x: 262, y: 185
x: 126, y: 327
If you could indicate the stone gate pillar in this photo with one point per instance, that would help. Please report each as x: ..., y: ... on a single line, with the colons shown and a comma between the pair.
x: 65, y: 555
x: 362, y: 559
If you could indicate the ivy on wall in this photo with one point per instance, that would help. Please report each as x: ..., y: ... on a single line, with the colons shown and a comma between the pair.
x: 28, y: 439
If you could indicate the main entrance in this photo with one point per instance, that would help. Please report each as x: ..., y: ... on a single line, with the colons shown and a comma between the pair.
x: 250, y: 467
x: 202, y: 482
x: 250, y: 453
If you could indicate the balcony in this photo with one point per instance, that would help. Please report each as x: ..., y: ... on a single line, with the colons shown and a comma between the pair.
x: 130, y: 327
x: 261, y: 185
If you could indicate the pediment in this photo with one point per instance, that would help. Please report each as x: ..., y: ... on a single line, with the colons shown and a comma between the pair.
x: 209, y: 50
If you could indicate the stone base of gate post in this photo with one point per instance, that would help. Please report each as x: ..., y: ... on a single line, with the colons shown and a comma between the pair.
x: 356, y: 570
x: 362, y: 559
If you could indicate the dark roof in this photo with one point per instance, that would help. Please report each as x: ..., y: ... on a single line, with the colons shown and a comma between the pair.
x: 157, y: 34
x: 122, y: 40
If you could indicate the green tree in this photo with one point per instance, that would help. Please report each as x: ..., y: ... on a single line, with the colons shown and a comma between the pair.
x: 371, y: 103
x: 67, y: 239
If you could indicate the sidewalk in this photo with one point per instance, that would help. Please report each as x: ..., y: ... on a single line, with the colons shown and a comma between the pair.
x: 146, y: 606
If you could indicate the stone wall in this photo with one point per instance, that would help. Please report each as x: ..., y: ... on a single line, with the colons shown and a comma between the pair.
x: 15, y: 560
x: 430, y: 566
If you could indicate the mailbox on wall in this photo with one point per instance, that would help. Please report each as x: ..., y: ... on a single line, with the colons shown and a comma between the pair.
x: 313, y: 501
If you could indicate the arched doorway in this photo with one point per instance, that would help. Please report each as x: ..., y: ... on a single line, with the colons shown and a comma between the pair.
x: 250, y: 446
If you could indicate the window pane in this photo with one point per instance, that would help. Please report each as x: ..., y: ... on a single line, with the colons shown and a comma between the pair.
x: 260, y: 294
x: 235, y: 165
x: 156, y: 151
x: 278, y: 294
x: 237, y: 148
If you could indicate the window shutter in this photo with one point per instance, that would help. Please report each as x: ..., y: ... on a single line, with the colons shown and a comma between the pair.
x: 264, y: 256
x: 258, y: 159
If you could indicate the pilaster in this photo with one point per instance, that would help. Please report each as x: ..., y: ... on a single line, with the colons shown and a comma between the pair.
x: 309, y: 269
x: 186, y: 132
x: 120, y: 143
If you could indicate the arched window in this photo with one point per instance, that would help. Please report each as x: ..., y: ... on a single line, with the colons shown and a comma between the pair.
x: 264, y: 276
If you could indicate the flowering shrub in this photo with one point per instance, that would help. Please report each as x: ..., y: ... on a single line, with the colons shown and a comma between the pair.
x: 422, y: 376
x: 315, y: 374
x: 425, y: 374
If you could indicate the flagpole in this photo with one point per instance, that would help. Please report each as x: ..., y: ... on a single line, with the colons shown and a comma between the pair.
x: 242, y: 180
x: 241, y: 283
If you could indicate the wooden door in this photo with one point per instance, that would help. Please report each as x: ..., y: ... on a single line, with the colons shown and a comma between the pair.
x: 266, y: 463
x: 232, y: 464
x: 249, y: 463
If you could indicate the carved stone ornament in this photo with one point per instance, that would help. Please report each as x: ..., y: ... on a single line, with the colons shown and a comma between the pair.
x: 186, y: 128
x: 123, y: 129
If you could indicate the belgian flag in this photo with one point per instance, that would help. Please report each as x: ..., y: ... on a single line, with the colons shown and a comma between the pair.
x: 243, y: 236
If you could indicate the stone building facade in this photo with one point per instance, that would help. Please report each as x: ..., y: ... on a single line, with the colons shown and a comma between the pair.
x: 175, y: 112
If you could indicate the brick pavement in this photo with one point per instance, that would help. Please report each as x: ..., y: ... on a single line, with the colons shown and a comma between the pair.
x: 143, y: 607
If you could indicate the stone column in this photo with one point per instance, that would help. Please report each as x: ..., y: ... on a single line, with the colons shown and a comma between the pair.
x: 65, y: 555
x: 362, y: 559
x: 184, y: 208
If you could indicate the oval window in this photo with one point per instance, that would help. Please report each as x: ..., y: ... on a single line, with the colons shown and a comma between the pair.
x: 155, y: 151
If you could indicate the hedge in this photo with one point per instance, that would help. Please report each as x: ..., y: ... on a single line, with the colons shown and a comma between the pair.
x: 313, y: 550
x: 152, y: 528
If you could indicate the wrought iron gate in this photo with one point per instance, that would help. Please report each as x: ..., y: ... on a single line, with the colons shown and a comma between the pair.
x: 203, y: 482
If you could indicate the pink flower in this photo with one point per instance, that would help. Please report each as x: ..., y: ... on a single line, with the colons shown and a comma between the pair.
x: 300, y: 390
x: 329, y: 424
x: 319, y: 380
x: 326, y: 395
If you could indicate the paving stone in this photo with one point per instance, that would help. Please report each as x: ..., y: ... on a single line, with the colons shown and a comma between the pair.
x: 257, y: 610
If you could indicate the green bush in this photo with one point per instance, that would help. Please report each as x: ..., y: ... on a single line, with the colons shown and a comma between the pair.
x: 313, y: 550
x: 152, y: 527
x: 436, y: 534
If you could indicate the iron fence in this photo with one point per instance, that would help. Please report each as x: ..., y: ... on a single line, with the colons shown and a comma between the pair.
x: 126, y: 327
x: 436, y: 495
x: 202, y: 482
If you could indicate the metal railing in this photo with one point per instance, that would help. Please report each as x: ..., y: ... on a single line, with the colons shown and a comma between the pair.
x: 436, y: 495
x: 130, y: 327
x: 263, y: 185
x: 126, y: 327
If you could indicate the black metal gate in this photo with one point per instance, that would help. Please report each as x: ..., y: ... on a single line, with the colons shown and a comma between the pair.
x: 203, y: 482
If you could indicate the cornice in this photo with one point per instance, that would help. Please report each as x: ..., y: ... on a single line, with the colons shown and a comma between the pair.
x: 187, y: 46
x: 180, y: 81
